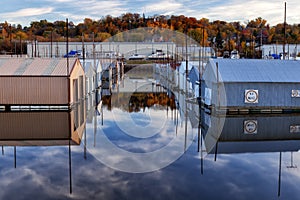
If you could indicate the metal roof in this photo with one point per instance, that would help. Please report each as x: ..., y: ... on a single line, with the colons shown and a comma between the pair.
x: 251, y: 70
x: 182, y: 67
x: 90, y: 65
x: 35, y: 66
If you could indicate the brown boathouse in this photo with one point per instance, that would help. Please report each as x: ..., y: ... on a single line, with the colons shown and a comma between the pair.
x: 41, y: 82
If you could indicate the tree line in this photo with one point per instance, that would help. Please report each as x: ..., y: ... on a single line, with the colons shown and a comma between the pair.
x: 220, y: 35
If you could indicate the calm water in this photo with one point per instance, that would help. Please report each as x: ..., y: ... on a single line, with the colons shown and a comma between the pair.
x: 142, y: 147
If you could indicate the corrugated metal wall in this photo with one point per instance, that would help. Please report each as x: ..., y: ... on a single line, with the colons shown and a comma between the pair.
x: 268, y: 128
x: 269, y: 94
x: 251, y: 133
x: 23, y: 125
x: 52, y: 126
x: 31, y: 90
x: 43, y: 90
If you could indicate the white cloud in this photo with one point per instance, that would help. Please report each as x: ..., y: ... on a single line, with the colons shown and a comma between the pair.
x: 26, y: 15
x: 162, y: 6
x: 231, y: 10
x: 102, y: 8
x: 272, y: 11
x: 246, y: 11
x: 27, y: 12
x: 62, y: 1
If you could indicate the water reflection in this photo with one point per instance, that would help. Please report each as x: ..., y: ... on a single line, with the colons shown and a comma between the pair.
x: 142, y: 131
x: 26, y: 130
x: 253, y: 134
x: 46, y: 128
x: 234, y: 157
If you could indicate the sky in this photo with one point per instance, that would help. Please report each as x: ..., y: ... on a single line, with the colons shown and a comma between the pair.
x: 25, y: 11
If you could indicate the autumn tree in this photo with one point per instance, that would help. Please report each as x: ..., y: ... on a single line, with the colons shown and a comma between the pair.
x: 220, y: 35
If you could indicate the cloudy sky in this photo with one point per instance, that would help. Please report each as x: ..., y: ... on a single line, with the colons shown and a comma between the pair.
x: 24, y: 11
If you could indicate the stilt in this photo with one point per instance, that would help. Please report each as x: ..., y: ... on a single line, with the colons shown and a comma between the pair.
x: 7, y: 108
x: 15, y: 156
x: 279, y: 175
x: 201, y: 153
x: 216, y: 151
x: 70, y: 167
x: 84, y: 154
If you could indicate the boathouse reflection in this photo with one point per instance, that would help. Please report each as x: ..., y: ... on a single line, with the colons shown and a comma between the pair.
x: 27, y: 128
x: 263, y: 133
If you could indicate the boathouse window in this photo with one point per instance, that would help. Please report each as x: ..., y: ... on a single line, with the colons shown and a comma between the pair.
x: 75, y: 90
x: 81, y: 88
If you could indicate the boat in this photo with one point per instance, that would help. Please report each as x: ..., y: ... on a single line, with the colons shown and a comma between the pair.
x: 158, y: 55
x: 235, y: 54
x: 73, y: 53
x: 137, y: 57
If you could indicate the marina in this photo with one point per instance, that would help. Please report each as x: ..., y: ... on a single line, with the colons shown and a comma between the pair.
x: 149, y: 100
x: 141, y: 117
x: 116, y: 129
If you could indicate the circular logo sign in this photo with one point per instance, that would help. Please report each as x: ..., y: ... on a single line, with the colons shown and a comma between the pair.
x: 250, y: 127
x: 251, y: 96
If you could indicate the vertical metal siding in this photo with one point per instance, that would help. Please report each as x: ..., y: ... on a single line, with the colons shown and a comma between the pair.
x: 268, y: 128
x: 270, y: 94
x: 18, y: 90
x: 22, y: 125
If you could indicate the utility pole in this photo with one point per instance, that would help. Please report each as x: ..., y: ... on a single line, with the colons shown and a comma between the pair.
x: 21, y: 50
x: 51, y: 44
x: 10, y: 40
x: 67, y: 45
x: 284, y: 28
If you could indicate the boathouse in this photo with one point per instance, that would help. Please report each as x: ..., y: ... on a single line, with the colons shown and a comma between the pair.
x: 251, y: 85
x: 93, y: 69
x: 41, y: 82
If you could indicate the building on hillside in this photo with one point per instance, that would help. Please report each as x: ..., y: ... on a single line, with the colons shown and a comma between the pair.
x: 101, y: 50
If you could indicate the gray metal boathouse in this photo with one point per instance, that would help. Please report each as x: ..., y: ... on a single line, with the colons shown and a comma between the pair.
x: 245, y: 84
